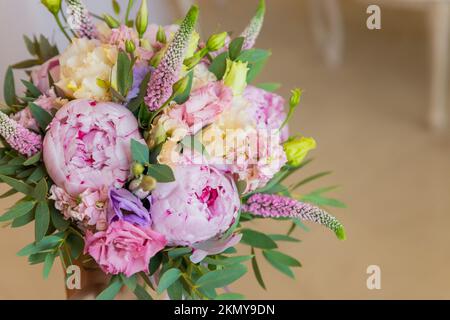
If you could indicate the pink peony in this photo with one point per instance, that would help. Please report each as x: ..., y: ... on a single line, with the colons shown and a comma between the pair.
x: 88, y: 145
x: 40, y: 76
x: 124, y: 247
x: 204, y: 106
x: 268, y: 109
x: 200, y: 204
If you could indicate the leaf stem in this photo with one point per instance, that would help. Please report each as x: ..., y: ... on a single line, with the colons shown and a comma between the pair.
x: 58, y: 22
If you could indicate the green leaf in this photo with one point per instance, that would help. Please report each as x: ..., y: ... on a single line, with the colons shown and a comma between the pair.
x: 23, y: 220
x: 8, y: 193
x: 25, y: 173
x: 41, y: 190
x: 33, y: 159
x: 9, y: 88
x: 227, y: 261
x: 235, y: 47
x: 48, y: 264
x: 9, y: 170
x: 42, y: 217
x: 124, y: 73
x: 255, y: 69
x: 257, y: 239
x: 269, y: 86
x: 139, y: 151
x: 154, y: 264
x: 256, y: 270
x: 19, y: 209
x: 279, y: 266
x: 178, y: 252
x: 300, y: 224
x: 47, y: 51
x: 116, y: 7
x: 37, y: 258
x: 31, y: 47
x: 58, y: 220
x: 175, y: 291
x: 43, y: 118
x: 282, y: 237
x: 183, y: 97
x: 167, y: 279
x: 135, y: 103
x: 26, y: 64
x: 32, y: 89
x: 112, y: 290
x: 221, y: 278
x: 309, y: 179
x: 161, y: 172
x: 282, y: 258
x: 47, y: 243
x: 219, y: 65
x: 316, y: 197
x: 141, y: 293
x: 76, y: 245
x: 37, y: 175
x: 254, y: 55
x: 130, y: 282
x: 230, y: 296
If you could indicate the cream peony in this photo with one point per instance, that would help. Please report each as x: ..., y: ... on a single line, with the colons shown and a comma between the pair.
x: 83, y: 62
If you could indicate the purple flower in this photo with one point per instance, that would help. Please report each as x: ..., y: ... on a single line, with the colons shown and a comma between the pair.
x: 123, y: 205
x: 140, y: 70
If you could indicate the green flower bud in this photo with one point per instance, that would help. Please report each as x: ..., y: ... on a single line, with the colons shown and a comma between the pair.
x: 137, y: 169
x: 180, y: 86
x: 156, y: 59
x: 130, y: 47
x: 142, y: 19
x: 52, y: 5
x: 216, y: 41
x: 146, y: 44
x: 111, y: 22
x: 161, y: 35
x: 236, y: 76
x: 148, y: 183
x: 295, y: 98
x: 192, y: 61
x: 297, y: 148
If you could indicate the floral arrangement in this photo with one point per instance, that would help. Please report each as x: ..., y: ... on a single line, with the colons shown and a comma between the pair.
x: 147, y: 152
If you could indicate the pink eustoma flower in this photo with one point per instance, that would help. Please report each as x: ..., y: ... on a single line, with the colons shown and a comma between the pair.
x: 124, y: 247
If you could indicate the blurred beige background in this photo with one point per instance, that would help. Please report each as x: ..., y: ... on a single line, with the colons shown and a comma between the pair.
x: 369, y: 117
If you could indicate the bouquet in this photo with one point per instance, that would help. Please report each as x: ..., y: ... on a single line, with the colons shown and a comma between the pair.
x: 147, y: 153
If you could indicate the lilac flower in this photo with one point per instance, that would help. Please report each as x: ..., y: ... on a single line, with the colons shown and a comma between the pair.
x: 167, y: 72
x: 25, y: 141
x: 123, y: 205
x: 275, y: 206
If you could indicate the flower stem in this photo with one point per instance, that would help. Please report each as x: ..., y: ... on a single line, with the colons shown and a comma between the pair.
x: 58, y: 21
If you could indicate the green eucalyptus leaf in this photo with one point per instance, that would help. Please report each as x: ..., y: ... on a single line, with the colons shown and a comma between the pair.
x: 139, y: 152
x: 112, y: 290
x: 43, y: 118
x: 155, y: 262
x: 8, y: 193
x: 141, y: 293
x: 32, y: 89
x: 254, y: 55
x: 278, y: 265
x: 76, y: 245
x: 230, y: 296
x: 41, y: 190
x: 21, y: 208
x: 33, y: 159
x: 183, y: 97
x: 130, y: 282
x: 47, y: 243
x: 221, y: 278
x: 167, y: 279
x: 227, y: 261
x: 282, y: 258
x: 175, y: 291
x: 23, y: 220
x: 124, y: 73
x: 31, y: 46
x: 178, y: 252
x: 42, y: 217
x: 58, y: 220
x: 48, y: 264
x: 269, y: 86
x: 235, y: 47
x: 257, y: 239
x: 257, y: 271
x: 37, y: 175
x: 161, y: 172
x: 282, y: 237
x: 9, y: 88
x: 219, y: 65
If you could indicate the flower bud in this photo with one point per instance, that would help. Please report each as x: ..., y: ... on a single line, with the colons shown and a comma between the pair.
x: 236, y: 76
x: 137, y: 169
x: 135, y: 188
x: 295, y: 98
x: 130, y: 47
x: 52, y: 5
x: 180, y: 86
x: 110, y: 21
x: 296, y: 149
x: 148, y: 183
x: 146, y: 44
x: 192, y: 61
x: 161, y: 35
x: 142, y: 19
x: 156, y: 59
x: 216, y: 41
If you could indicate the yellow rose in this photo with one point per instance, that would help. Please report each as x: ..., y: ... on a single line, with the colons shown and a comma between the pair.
x: 83, y: 64
x: 296, y: 149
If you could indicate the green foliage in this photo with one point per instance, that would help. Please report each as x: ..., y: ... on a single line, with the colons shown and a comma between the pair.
x: 40, y: 48
x: 184, y: 96
x: 269, y: 86
x: 235, y: 47
x: 43, y: 118
x: 219, y: 65
x: 124, y: 73
x: 167, y: 279
x: 9, y: 88
x: 161, y: 172
x: 222, y: 277
x: 139, y: 152
x: 317, y: 197
x: 257, y: 239
x: 112, y: 290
